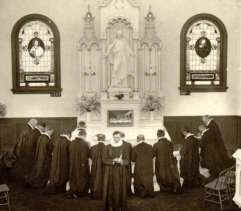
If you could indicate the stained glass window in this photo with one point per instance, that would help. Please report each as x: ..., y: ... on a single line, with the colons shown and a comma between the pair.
x: 36, y: 63
x: 203, y: 55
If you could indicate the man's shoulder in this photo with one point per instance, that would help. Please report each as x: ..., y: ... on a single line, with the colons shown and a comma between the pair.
x: 127, y: 144
x: 146, y: 145
x: 142, y: 145
x: 212, y: 123
x: 162, y: 141
x: 43, y: 138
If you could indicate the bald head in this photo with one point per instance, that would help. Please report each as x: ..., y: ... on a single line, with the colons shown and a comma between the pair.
x: 33, y: 122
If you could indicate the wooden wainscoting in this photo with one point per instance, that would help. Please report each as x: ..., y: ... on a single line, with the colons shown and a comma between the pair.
x: 10, y: 128
x: 230, y: 127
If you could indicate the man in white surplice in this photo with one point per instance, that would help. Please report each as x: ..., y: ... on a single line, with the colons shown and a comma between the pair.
x: 120, y: 55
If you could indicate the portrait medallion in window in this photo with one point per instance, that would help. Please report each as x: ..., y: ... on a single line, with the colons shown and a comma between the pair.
x: 203, y: 55
x: 36, y: 56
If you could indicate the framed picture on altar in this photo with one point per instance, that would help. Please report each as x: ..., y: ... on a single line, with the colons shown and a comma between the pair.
x: 120, y: 118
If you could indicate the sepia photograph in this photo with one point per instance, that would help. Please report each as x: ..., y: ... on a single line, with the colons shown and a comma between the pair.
x: 120, y: 105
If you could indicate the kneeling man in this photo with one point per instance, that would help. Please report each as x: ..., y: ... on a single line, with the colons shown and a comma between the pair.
x: 142, y: 156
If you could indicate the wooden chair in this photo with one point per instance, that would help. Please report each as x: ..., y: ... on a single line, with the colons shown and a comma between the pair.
x: 231, y: 181
x: 217, y: 191
x: 4, y: 196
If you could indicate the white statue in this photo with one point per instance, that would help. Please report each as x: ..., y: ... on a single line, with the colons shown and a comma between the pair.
x: 119, y: 55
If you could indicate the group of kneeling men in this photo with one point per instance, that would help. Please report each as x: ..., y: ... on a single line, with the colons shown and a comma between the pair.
x: 52, y: 162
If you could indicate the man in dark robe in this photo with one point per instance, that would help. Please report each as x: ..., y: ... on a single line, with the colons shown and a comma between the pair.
x: 166, y: 170
x: 142, y: 156
x: 97, y: 169
x: 129, y: 191
x: 59, y: 173
x: 25, y: 149
x: 211, y: 158
x: 217, y: 140
x: 189, y: 163
x: 41, y: 169
x: 79, y: 171
x: 116, y: 159
x: 35, y: 136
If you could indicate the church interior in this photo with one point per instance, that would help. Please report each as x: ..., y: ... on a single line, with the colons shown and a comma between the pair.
x: 133, y: 66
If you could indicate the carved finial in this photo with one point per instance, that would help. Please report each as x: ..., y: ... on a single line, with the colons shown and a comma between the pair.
x: 150, y: 17
x: 89, y: 30
x: 88, y: 17
x: 150, y: 29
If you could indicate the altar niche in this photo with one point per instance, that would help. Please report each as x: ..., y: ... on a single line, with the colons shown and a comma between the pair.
x: 120, y: 65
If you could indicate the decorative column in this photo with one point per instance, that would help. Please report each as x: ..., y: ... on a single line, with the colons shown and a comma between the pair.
x: 89, y: 57
x: 237, y: 196
x: 150, y: 47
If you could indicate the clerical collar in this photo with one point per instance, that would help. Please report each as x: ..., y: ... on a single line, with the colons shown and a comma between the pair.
x: 38, y: 129
x: 30, y: 126
x: 204, y: 131
x: 188, y: 135
x: 114, y: 144
x: 209, y: 121
x: 47, y: 135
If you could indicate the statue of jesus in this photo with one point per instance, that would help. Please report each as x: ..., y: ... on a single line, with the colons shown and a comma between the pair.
x: 119, y: 55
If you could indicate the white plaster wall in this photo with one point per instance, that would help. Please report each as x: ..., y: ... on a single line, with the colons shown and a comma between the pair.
x: 170, y: 16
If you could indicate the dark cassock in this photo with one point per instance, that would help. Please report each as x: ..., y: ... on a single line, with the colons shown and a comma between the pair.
x: 215, y: 133
x: 43, y: 154
x: 129, y: 191
x: 97, y: 169
x: 116, y: 160
x: 142, y: 156
x: 25, y: 149
x: 189, y: 163
x: 211, y: 158
x: 79, y: 170
x: 35, y: 136
x: 59, y: 173
x: 166, y: 170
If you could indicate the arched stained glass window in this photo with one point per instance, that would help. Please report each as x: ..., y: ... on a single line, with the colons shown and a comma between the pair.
x: 36, y: 56
x: 203, y: 54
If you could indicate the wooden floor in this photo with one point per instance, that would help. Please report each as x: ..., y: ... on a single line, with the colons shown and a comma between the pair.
x: 23, y: 199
